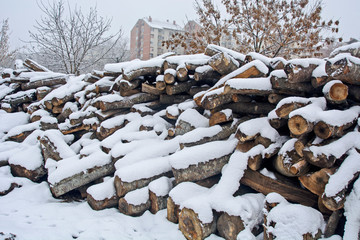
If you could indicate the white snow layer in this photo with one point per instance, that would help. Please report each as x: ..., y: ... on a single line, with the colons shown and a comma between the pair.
x: 161, y: 186
x: 104, y: 190
x: 138, y: 196
x: 352, y: 213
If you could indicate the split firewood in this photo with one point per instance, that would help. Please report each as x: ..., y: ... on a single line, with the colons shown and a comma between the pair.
x: 206, y: 73
x: 34, y: 175
x: 301, y: 70
x: 160, y: 82
x: 192, y: 227
x: 29, y: 63
x: 158, y: 193
x: 282, y: 185
x: 41, y: 92
x: 335, y: 92
x: 109, y: 102
x: 67, y: 110
x: 223, y: 63
x: 280, y: 83
x: 288, y: 162
x: 229, y: 226
x: 102, y: 195
x: 126, y: 85
x: 110, y: 125
x: 336, y: 189
x: 79, y: 116
x: 287, y: 105
x: 151, y: 89
x: 135, y: 203
x: 48, y: 82
x: 21, y: 132
x: 221, y: 117
x: 185, y: 168
x: 345, y: 68
x: 332, y: 127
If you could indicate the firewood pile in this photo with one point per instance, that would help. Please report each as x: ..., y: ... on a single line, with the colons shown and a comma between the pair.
x: 224, y: 141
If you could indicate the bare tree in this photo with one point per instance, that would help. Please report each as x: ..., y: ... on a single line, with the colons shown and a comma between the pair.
x: 6, y: 56
x: 67, y: 40
x: 271, y: 27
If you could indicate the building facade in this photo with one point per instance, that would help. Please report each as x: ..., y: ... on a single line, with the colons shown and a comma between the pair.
x: 147, y: 36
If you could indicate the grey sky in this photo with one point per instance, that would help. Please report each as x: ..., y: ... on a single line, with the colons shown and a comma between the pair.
x: 22, y: 14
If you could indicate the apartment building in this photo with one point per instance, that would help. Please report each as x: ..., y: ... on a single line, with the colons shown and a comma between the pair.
x: 147, y: 36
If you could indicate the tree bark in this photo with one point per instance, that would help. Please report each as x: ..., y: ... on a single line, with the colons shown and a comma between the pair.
x: 206, y: 73
x: 173, y: 99
x: 173, y: 210
x: 133, y: 210
x: 214, y: 100
x: 157, y: 202
x: 34, y: 175
x: 257, y: 108
x: 283, y: 86
x: 332, y: 223
x: 126, y: 85
x: 103, y: 203
x: 127, y: 102
x: 325, y: 130
x: 344, y: 70
x: 143, y: 71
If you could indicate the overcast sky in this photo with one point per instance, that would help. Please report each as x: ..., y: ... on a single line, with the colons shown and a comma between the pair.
x: 22, y: 14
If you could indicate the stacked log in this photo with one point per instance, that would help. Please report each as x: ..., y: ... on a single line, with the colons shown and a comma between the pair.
x: 175, y: 125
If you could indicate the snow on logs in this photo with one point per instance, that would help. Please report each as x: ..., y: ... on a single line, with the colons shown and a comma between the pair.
x: 184, y: 132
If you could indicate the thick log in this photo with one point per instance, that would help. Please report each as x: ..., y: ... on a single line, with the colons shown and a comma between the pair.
x: 147, y: 88
x: 102, y: 204
x: 127, y: 102
x: 215, y: 99
x: 34, y: 175
x: 160, y: 82
x: 130, y: 92
x: 19, y: 98
x: 284, y: 110
x: 316, y: 181
x: 346, y: 69
x: 229, y: 226
x: 142, y: 71
x: 192, y: 227
x: 283, y: 186
x: 170, y: 76
x: 325, y: 130
x: 179, y: 87
x: 158, y: 193
x: 182, y: 73
x: 223, y: 63
x: 81, y: 179
x: 173, y: 99
x: 126, y: 85
x: 205, y: 73
x: 298, y: 125
x: 137, y: 208
x: 36, y: 67
x: 283, y: 86
x: 196, y: 89
x: 299, y: 72
x: 55, y: 101
x: 48, y: 82
x: 335, y: 92
x: 41, y: 92
x: 102, y: 195
x: 257, y: 108
x: 173, y: 210
x: 221, y: 117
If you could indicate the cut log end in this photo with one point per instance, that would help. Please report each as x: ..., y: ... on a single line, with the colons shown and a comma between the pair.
x: 299, y: 125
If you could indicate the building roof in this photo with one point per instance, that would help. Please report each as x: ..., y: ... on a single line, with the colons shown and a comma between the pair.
x: 162, y: 25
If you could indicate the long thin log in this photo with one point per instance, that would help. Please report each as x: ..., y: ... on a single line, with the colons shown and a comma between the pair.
x: 258, y: 108
x: 29, y: 63
x: 127, y: 102
x: 51, y: 81
x: 283, y: 186
x: 147, y: 88
x: 179, y: 87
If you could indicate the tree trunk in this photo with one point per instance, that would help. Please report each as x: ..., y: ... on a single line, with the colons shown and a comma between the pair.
x: 192, y: 227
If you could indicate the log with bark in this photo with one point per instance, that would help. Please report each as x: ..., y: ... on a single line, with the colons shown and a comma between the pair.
x: 182, y: 73
x: 301, y: 70
x: 150, y: 89
x: 179, y: 87
x: 36, y: 67
x: 299, y: 126
x: 173, y: 99
x: 150, y: 67
x: 335, y: 92
x: 158, y: 193
x: 48, y: 82
x: 192, y: 227
x: 223, y: 63
x: 135, y: 203
x: 221, y: 117
x: 160, y: 82
x: 126, y: 85
x: 280, y: 83
x: 214, y: 99
x: 99, y: 201
x: 257, y: 108
x: 345, y: 68
x: 126, y: 102
x: 206, y: 73
x: 41, y: 92
x: 316, y: 181
x: 290, y: 190
x: 19, y: 98
x: 212, y: 49
x: 34, y: 175
x: 80, y: 179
